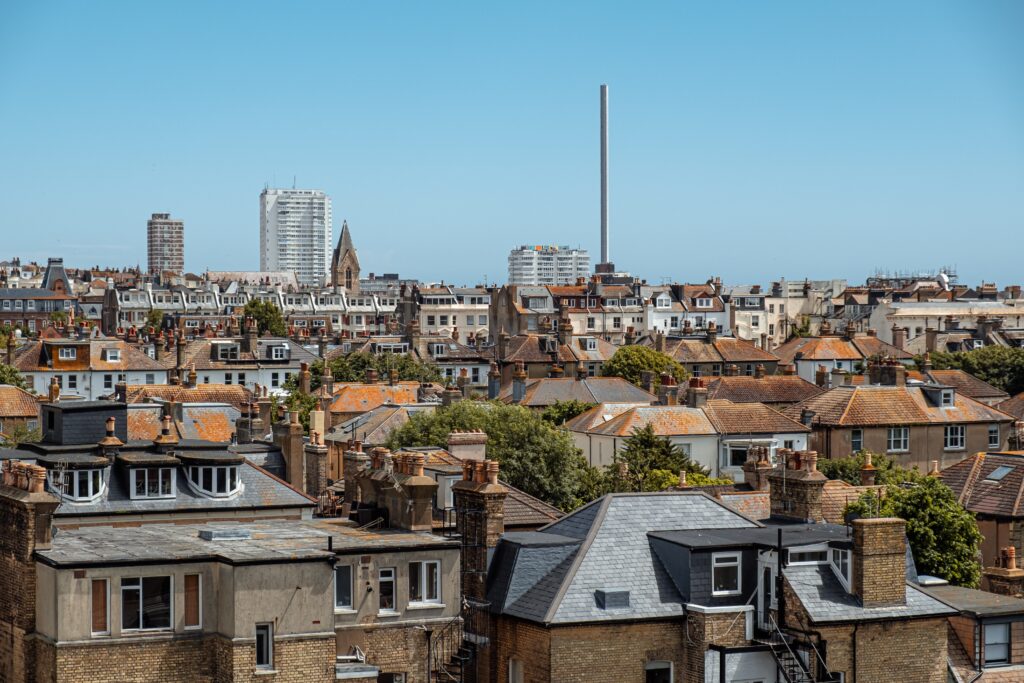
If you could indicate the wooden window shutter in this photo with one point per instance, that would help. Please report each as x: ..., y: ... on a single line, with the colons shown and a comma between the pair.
x: 192, y: 600
x: 99, y: 606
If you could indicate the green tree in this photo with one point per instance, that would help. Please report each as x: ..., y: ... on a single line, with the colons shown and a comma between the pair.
x: 58, y: 317
x: 1000, y: 366
x: 303, y: 403
x: 848, y: 468
x: 803, y: 329
x: 352, y: 367
x: 155, y: 318
x: 944, y: 537
x: 630, y: 362
x: 652, y: 463
x: 561, y: 412
x: 10, y: 375
x: 268, y: 317
x: 19, y: 434
x: 535, y: 456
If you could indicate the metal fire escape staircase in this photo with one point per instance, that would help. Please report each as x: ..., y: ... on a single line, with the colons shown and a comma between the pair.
x: 791, y: 665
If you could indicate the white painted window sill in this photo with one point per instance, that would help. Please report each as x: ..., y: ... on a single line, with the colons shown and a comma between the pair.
x: 425, y: 605
x: 388, y: 613
x: 345, y: 610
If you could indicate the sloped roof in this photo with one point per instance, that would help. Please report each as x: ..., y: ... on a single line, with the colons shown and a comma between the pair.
x: 665, y: 420
x: 1001, y: 498
x: 16, y: 402
x: 964, y: 382
x: 837, y: 494
x: 722, y: 350
x: 529, y: 348
x: 750, y: 418
x: 549, y: 390
x: 890, y: 405
x: 375, y: 426
x: 352, y: 397
x: 767, y: 389
x: 598, y: 415
x: 521, y: 509
x: 1013, y: 406
x: 233, y: 394
x: 551, y: 576
x: 837, y: 348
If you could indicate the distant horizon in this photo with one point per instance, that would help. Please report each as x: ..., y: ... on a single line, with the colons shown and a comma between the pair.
x: 824, y: 140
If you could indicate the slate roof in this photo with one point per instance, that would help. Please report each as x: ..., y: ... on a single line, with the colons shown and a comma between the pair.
x: 976, y: 602
x: 891, y: 405
x: 375, y: 426
x: 826, y: 601
x: 199, y: 353
x: 1002, y: 498
x: 750, y: 418
x: 602, y: 546
x: 16, y: 402
x: 770, y: 389
x: 547, y: 391
x: 523, y: 510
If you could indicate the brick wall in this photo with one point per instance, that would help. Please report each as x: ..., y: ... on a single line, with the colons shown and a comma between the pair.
x: 393, y: 650
x: 614, y: 652
x: 879, y: 561
x: 522, y: 640
x: 306, y: 660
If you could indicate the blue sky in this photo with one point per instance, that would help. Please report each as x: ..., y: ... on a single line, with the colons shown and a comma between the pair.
x: 748, y: 139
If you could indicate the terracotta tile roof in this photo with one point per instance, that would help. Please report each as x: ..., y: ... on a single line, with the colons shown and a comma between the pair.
x: 891, y: 405
x: 723, y: 350
x: 598, y: 415
x: 547, y: 391
x: 750, y: 504
x: 529, y: 348
x: 1000, y: 498
x: 666, y: 421
x: 31, y: 357
x: 767, y: 389
x: 567, y: 290
x: 15, y: 402
x: 837, y: 348
x: 742, y: 351
x: 692, y: 351
x: 750, y: 418
x: 359, y: 398
x: 208, y: 423
x: 1013, y: 406
x: 232, y: 394
x: 144, y: 422
x: 524, y: 510
x: 603, y: 352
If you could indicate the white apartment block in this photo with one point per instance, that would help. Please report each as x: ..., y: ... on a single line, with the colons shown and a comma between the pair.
x: 165, y: 242
x: 296, y: 233
x: 547, y: 265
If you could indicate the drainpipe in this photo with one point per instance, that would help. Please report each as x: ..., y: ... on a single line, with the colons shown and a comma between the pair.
x: 779, y: 598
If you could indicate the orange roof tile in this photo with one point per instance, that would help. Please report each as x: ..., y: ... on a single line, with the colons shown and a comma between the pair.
x: 15, y: 402
x: 359, y: 398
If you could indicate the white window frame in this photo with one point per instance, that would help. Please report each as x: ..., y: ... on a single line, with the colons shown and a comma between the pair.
x: 113, y: 355
x: 948, y: 399
x: 163, y: 474
x: 268, y: 628
x: 278, y: 353
x: 703, y: 302
x: 393, y: 579
x: 142, y: 601
x: 838, y: 557
x: 900, y: 435
x: 196, y: 474
x: 67, y: 353
x: 95, y: 485
x: 421, y: 567
x: 954, y: 437
x: 738, y: 563
x: 993, y: 431
x: 1009, y: 638
x: 794, y: 553
x: 856, y: 440
x: 351, y: 588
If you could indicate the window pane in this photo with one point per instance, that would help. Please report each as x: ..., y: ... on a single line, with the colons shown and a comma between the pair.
x: 234, y: 478
x: 222, y: 480
x: 387, y: 589
x: 207, y: 479
x: 140, y: 482
x: 433, y: 581
x: 165, y: 482
x: 343, y: 586
x: 156, y: 602
x: 726, y: 578
x: 153, y: 482
x: 264, y: 645
x: 129, y: 606
x: 415, y: 583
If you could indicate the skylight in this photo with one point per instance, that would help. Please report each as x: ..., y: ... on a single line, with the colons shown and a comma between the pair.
x: 998, y: 473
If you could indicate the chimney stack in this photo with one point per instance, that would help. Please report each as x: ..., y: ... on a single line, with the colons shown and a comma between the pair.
x: 518, y: 383
x: 879, y: 567
x: 605, y: 246
x: 493, y: 381
x: 899, y: 337
x: 480, y: 505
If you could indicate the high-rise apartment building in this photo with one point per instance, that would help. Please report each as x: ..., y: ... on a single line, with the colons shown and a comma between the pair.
x: 165, y: 244
x: 296, y: 233
x: 547, y: 265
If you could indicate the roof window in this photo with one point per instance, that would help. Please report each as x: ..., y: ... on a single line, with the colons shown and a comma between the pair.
x: 998, y: 473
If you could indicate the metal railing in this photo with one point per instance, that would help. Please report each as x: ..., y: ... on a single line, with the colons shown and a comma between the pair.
x: 793, y: 667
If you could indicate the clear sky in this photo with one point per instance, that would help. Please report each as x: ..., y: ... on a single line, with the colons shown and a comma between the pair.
x: 750, y: 140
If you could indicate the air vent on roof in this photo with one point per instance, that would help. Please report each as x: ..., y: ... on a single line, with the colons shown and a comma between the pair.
x: 223, y: 534
x: 612, y: 599
x: 998, y: 473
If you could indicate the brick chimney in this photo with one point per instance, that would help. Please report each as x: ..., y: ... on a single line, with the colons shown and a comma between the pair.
x: 565, y: 332
x: 757, y: 467
x: 250, y: 338
x: 288, y: 437
x: 647, y: 381
x: 759, y: 371
x: 879, y: 567
x: 480, y: 511
x: 712, y: 332
x: 796, y: 486
x: 1005, y: 578
x: 931, y: 338
x: 899, y: 337
x: 354, y: 463
x: 696, y: 393
x: 316, y: 465
x: 493, y: 381
x: 659, y: 342
x: 468, y: 445
x: 265, y: 407
x: 305, y: 379
x: 788, y: 369
x: 518, y: 382
x: 821, y: 377
x: 868, y: 472
x: 668, y: 391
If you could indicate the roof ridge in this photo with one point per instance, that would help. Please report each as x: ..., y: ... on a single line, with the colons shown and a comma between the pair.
x: 849, y: 403
x: 581, y: 553
x: 972, y: 478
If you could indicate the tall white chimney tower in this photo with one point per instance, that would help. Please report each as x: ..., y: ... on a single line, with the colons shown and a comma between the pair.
x: 605, y: 266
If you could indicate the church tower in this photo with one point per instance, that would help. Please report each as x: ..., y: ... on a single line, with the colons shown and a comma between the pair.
x: 345, y: 263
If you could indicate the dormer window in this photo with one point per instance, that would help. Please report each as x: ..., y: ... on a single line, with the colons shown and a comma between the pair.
x: 279, y: 353
x: 79, y: 486
x: 591, y: 344
x: 841, y: 566
x: 67, y: 353
x: 664, y: 302
x: 153, y: 482
x: 948, y: 398
x: 113, y: 355
x: 703, y: 303
x: 219, y: 481
x: 227, y: 351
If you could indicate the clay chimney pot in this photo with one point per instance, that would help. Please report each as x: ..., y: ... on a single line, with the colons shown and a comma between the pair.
x: 492, y: 471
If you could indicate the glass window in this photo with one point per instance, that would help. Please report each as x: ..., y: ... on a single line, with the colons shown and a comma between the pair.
x: 658, y: 672
x: 954, y: 437
x: 737, y: 456
x: 343, y: 587
x: 264, y: 646
x: 386, y: 589
x: 899, y: 439
x: 67, y: 353
x: 994, y: 442
x: 108, y: 381
x: 841, y: 563
x: 424, y: 582
x: 725, y: 574
x: 856, y: 440
x: 146, y: 603
x: 997, y: 643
